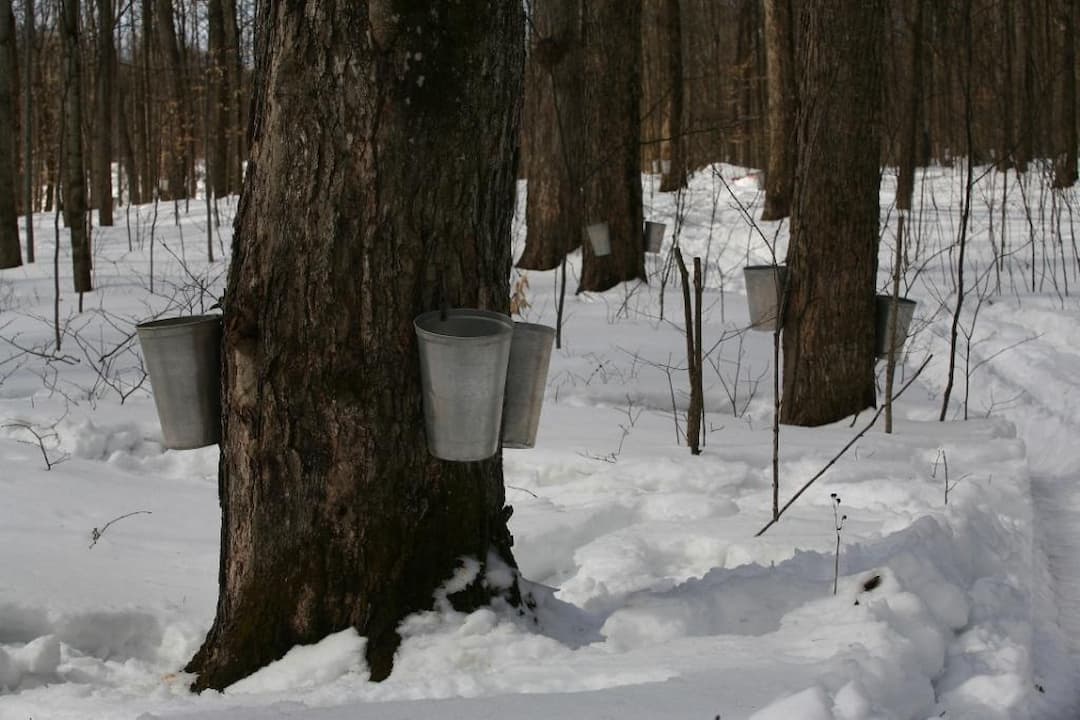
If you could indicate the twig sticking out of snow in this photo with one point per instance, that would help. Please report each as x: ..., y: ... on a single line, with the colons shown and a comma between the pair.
x: 96, y: 534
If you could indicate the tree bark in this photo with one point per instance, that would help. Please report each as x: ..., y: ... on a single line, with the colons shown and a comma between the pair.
x: 103, y: 112
x: 10, y: 253
x: 29, y: 168
x: 675, y: 141
x: 333, y: 513
x: 554, y: 136
x: 220, y: 93
x: 780, y: 67
x: 910, y: 110
x: 612, y: 180
x: 74, y: 191
x: 1065, y: 115
x: 832, y: 257
x: 176, y: 126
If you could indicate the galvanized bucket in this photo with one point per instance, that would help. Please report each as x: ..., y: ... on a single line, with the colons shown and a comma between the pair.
x: 654, y: 236
x: 526, y: 379
x: 599, y: 238
x: 463, y: 362
x: 764, y: 285
x: 183, y: 359
x: 905, y: 311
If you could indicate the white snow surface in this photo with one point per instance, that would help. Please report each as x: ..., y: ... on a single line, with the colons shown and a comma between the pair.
x: 653, y: 595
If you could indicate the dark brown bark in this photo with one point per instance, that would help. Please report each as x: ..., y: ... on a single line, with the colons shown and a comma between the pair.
x: 1065, y: 107
x: 612, y: 178
x: 29, y: 168
x: 674, y: 139
x: 910, y: 110
x: 220, y: 94
x: 333, y: 513
x: 105, y: 81
x: 10, y: 253
x: 146, y: 102
x: 780, y: 66
x: 553, y: 125
x: 1025, y: 150
x: 127, y: 144
x: 74, y: 165
x: 832, y: 258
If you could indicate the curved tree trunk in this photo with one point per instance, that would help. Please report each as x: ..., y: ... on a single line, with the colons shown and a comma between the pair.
x: 334, y: 515
x: 612, y: 180
x: 10, y: 253
x: 832, y: 258
x: 780, y: 68
x: 553, y: 128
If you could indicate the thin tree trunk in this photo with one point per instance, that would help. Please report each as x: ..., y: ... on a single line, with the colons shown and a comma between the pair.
x: 612, y: 181
x: 910, y: 103
x: 176, y: 125
x: 333, y: 513
x: 553, y: 120
x: 103, y: 125
x: 780, y: 66
x: 10, y: 253
x: 74, y: 163
x: 832, y: 258
x: 29, y: 174
x: 676, y: 175
x: 1065, y: 120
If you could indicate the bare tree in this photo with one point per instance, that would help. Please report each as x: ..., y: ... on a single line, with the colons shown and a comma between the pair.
x: 74, y: 165
x: 105, y: 82
x: 780, y: 65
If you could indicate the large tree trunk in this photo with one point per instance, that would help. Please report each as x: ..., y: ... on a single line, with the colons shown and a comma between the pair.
x: 553, y: 126
x: 780, y: 68
x: 612, y: 179
x: 103, y: 113
x: 832, y: 258
x: 334, y: 515
x: 74, y: 164
x: 10, y: 254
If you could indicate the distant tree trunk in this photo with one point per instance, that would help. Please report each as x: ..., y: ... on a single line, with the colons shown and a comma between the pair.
x: 1025, y: 151
x: 1065, y: 116
x: 832, y: 258
x: 553, y: 120
x: 780, y: 67
x: 219, y: 93
x: 29, y: 174
x: 612, y: 72
x: 127, y: 145
x: 146, y: 102
x: 10, y: 253
x: 333, y: 513
x: 177, y: 127
x: 74, y: 163
x: 1006, y: 150
x: 103, y: 125
x: 238, y: 98
x: 910, y: 110
x: 677, y: 173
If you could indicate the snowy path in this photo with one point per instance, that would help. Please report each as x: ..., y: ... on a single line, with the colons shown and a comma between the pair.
x: 1037, y: 380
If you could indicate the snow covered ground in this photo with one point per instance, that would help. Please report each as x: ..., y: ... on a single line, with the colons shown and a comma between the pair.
x: 654, y: 597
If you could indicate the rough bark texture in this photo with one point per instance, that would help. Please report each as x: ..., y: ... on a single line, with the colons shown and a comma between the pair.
x: 103, y: 112
x: 220, y: 91
x: 29, y: 171
x: 334, y: 515
x: 176, y: 123
x: 10, y: 254
x: 74, y: 164
x: 780, y: 68
x: 553, y: 129
x: 832, y: 258
x: 612, y: 179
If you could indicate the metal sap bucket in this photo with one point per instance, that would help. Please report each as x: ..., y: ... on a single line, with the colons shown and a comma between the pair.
x: 654, y: 236
x: 599, y: 238
x: 463, y: 362
x: 905, y: 311
x: 526, y: 379
x: 183, y: 359
x: 764, y: 285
